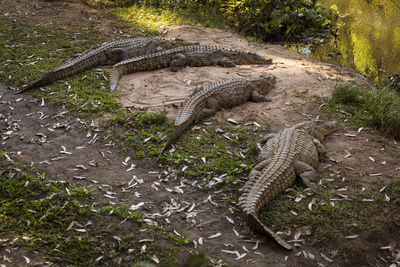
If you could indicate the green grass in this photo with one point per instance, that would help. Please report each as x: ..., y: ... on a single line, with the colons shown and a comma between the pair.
x: 330, y: 221
x: 144, y: 134
x: 27, y: 51
x: 362, y: 107
x: 63, y: 223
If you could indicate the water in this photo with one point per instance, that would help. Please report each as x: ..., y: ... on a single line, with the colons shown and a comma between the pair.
x: 369, y: 37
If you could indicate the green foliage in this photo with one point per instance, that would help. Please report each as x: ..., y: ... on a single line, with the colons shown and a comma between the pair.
x: 39, y: 212
x: 263, y: 19
x: 139, y: 131
x: 347, y: 94
x: 378, y: 109
x: 278, y: 20
x: 394, y: 189
x: 394, y: 82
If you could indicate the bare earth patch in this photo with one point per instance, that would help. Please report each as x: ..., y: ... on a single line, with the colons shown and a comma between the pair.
x: 41, y: 136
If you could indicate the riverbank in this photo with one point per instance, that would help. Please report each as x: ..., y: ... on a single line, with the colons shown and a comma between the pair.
x: 113, y: 149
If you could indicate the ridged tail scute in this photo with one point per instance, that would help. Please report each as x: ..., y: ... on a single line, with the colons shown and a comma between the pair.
x: 257, y: 225
x: 115, y: 75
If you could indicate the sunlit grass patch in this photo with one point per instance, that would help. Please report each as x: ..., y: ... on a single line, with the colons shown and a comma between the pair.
x: 151, y: 18
x: 377, y: 109
x: 148, y: 18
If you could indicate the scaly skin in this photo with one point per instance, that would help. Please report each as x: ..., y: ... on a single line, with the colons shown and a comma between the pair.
x: 178, y: 58
x: 292, y: 152
x: 109, y: 53
x: 206, y: 102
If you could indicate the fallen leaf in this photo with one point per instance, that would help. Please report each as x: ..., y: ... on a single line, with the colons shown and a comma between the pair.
x: 326, y: 258
x: 351, y: 236
x: 229, y: 220
x: 215, y: 235
x: 27, y: 259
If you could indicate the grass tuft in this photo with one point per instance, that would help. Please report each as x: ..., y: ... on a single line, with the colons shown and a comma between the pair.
x: 377, y: 109
x: 347, y: 94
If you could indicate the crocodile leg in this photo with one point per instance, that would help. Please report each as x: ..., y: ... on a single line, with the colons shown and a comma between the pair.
x: 321, y: 150
x: 267, y: 137
x: 256, y: 97
x: 178, y: 62
x: 198, y: 89
x: 307, y: 174
x: 115, y: 55
x: 226, y: 62
x: 210, y: 109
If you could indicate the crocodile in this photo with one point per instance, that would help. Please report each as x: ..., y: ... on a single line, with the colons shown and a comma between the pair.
x: 292, y: 152
x: 205, y: 102
x: 108, y: 53
x: 178, y: 58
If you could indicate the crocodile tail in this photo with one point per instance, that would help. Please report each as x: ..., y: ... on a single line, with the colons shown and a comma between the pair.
x: 84, y: 62
x: 115, y: 75
x: 179, y: 129
x: 45, y: 80
x: 258, y: 226
x: 29, y: 87
x: 175, y: 135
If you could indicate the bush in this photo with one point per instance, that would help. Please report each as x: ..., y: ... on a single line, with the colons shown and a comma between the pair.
x: 278, y: 20
x: 269, y: 20
x: 347, y: 94
x: 384, y: 110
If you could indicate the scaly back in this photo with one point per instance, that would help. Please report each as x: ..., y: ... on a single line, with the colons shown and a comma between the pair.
x: 287, y: 145
x: 191, y: 105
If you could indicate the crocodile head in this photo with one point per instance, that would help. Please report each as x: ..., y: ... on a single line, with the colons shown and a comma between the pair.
x: 320, y: 129
x: 242, y: 58
x: 265, y: 83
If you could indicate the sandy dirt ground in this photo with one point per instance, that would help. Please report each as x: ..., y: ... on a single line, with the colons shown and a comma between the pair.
x: 37, y: 134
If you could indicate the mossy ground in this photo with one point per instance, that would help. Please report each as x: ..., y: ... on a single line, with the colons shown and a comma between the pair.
x: 70, y: 227
x: 332, y: 217
x: 28, y: 51
x: 62, y: 221
x: 220, y: 147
